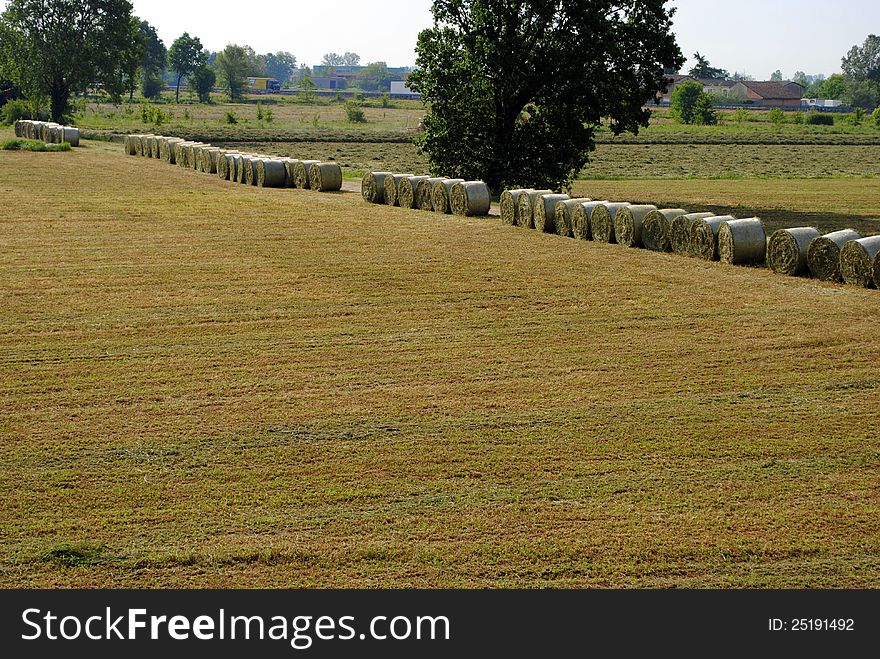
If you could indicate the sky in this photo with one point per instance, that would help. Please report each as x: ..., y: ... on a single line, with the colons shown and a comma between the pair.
x: 755, y: 37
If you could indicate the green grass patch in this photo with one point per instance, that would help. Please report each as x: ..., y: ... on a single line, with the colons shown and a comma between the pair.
x: 19, y: 144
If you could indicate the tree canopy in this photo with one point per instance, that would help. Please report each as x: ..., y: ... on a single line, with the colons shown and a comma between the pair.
x: 234, y: 64
x: 185, y: 56
x: 702, y: 69
x: 691, y: 105
x: 335, y: 59
x: 53, y: 48
x: 280, y: 65
x: 863, y: 62
x: 515, y: 90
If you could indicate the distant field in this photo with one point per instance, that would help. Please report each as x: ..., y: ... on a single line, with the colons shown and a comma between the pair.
x: 206, y: 384
x: 623, y: 160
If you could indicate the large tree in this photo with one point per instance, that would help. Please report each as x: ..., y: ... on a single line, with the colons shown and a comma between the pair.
x: 515, y: 90
x: 863, y: 62
x: 185, y: 56
x: 153, y: 60
x: 233, y: 65
x: 54, y: 48
x: 702, y: 69
x: 280, y: 66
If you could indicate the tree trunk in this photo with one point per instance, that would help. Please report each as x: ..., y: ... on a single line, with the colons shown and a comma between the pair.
x: 177, y: 91
x: 59, y: 96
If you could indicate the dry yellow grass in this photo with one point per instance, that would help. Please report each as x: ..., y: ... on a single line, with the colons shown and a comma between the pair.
x: 206, y: 384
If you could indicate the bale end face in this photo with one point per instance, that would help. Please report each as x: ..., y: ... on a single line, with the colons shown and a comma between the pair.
x: 325, y: 177
x: 407, y: 191
x: 823, y: 256
x: 373, y: 187
x: 656, y: 229
x: 704, y: 237
x: 440, y: 195
x: 857, y: 261
x: 628, y: 224
x: 509, y: 203
x: 787, y: 250
x: 603, y: 222
x: 564, y: 216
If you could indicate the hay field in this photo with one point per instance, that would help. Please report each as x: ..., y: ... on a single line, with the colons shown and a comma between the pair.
x: 206, y: 384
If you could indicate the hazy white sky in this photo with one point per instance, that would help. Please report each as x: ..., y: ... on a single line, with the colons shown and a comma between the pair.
x: 752, y: 36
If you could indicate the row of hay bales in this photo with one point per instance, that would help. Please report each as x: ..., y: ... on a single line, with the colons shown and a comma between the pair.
x: 238, y: 167
x: 839, y: 256
x: 440, y: 195
x: 46, y: 131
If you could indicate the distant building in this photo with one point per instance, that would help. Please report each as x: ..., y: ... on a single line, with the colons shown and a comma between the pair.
x: 821, y: 103
x: 718, y: 86
x: 399, y: 89
x: 674, y: 82
x: 336, y: 82
x: 769, y: 94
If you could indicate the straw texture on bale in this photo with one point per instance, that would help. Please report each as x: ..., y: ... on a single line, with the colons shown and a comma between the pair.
x: 225, y: 166
x: 423, y: 193
x: 407, y: 196
x: 143, y: 145
x: 704, y: 236
x: 325, y: 177
x: 234, y: 161
x: 209, y: 160
x: 823, y: 256
x: 628, y: 224
x: 582, y: 219
x: 876, y: 271
x: 742, y: 242
x: 657, y: 228
x: 241, y: 167
x: 680, y: 231
x: 127, y: 145
x: 156, y: 147
x: 250, y: 173
x: 290, y: 166
x: 19, y: 125
x: 301, y: 173
x: 196, y: 161
x: 787, y: 250
x: 857, y: 261
x: 392, y: 183
x: 470, y: 199
x: 373, y: 187
x: 525, y: 216
x: 167, y: 150
x: 544, y: 213
x: 509, y: 203
x: 270, y: 173
x: 440, y: 195
x: 182, y: 153
x: 602, y: 221
x: 563, y: 215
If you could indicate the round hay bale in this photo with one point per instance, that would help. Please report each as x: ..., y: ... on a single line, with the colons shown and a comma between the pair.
x: 581, y: 219
x: 234, y: 162
x: 301, y: 173
x: 423, y: 193
x: 787, y: 250
x: 525, y: 214
x: 271, y: 173
x: 742, y: 242
x: 67, y: 134
x: 209, y: 160
x: 509, y: 203
x: 656, y: 228
x: 181, y: 153
x: 392, y: 183
x: 250, y: 172
x: 680, y: 231
x: 196, y: 162
x: 440, y: 195
x: 602, y: 221
x: 19, y: 126
x: 563, y: 215
x: 142, y: 144
x: 407, y: 191
x: 156, y: 147
x: 167, y: 150
x: 876, y: 271
x: 704, y: 236
x: 325, y: 177
x: 823, y: 255
x: 146, y: 149
x: 628, y: 224
x: 544, y: 212
x: 373, y: 187
x: 243, y: 167
x: 290, y: 165
x: 128, y: 146
x: 857, y: 261
x: 470, y: 199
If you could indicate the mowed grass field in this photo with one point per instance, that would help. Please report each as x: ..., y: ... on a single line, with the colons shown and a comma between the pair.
x: 623, y: 161
x: 205, y: 384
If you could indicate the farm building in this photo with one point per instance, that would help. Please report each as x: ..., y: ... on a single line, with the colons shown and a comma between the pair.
x: 718, y: 86
x: 769, y: 94
x: 675, y: 81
